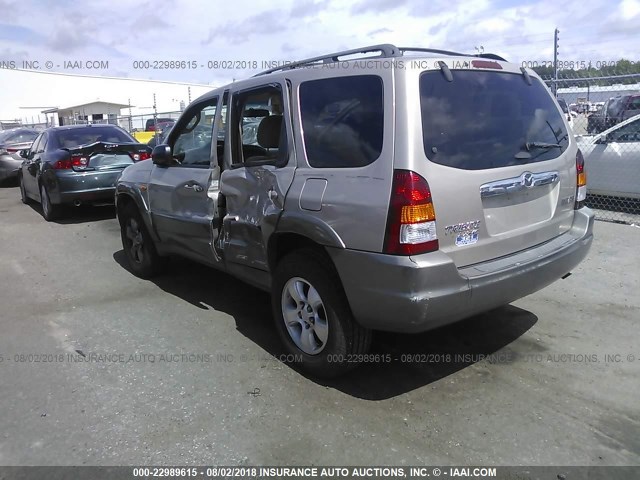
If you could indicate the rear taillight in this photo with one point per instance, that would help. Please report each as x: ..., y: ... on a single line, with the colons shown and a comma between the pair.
x: 77, y: 162
x: 139, y: 156
x: 62, y: 165
x: 581, y: 184
x: 411, y: 222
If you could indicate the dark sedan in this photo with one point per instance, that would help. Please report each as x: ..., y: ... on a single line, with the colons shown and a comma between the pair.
x: 76, y: 164
x: 11, y: 142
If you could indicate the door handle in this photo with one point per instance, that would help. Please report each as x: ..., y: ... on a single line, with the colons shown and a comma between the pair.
x: 272, y: 194
x: 194, y: 186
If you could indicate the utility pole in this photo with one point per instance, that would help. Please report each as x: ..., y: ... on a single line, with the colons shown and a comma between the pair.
x: 155, y: 119
x: 130, y: 119
x: 555, y: 62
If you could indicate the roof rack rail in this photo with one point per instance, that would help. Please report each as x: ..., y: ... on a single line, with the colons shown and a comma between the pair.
x: 386, y: 50
x: 491, y: 56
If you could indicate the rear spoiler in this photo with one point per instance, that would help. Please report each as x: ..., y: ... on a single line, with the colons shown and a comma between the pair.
x: 108, y: 147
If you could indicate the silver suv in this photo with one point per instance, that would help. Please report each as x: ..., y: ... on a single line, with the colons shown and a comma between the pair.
x: 398, y: 192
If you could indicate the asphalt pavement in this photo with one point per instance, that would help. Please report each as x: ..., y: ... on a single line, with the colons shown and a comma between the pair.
x: 99, y: 367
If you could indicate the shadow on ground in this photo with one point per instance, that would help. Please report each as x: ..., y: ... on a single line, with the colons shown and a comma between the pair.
x: 81, y: 214
x: 416, y: 360
x: 9, y: 183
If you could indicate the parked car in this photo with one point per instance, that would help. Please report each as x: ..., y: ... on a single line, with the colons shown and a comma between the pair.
x: 162, y: 131
x: 376, y: 198
x: 615, y: 110
x: 613, y: 160
x: 11, y: 142
x: 598, y: 121
x: 76, y: 164
x: 150, y: 125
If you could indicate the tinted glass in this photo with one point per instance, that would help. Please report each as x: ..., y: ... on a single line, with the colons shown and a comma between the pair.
x: 563, y: 105
x: 342, y: 120
x: 483, y: 120
x: 17, y: 136
x: 629, y: 133
x: 634, y: 104
x: 83, y: 136
x: 22, y: 137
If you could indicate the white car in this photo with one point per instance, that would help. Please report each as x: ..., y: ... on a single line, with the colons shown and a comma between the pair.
x: 612, y: 160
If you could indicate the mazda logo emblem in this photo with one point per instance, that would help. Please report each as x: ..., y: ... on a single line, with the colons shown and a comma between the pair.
x: 527, y: 179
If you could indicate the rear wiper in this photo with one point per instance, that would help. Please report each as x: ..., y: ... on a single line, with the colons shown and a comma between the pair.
x: 530, y: 145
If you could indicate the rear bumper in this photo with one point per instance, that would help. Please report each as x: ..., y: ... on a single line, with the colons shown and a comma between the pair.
x: 414, y: 294
x: 85, y: 187
x: 9, y: 166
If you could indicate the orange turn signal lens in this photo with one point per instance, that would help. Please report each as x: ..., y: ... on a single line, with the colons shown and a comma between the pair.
x: 582, y: 179
x: 417, y: 213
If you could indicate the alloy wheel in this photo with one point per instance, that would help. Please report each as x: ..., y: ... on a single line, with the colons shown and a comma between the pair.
x: 135, y: 240
x: 304, y: 316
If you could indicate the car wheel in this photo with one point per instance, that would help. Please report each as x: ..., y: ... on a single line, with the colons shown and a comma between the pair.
x: 23, y: 191
x: 49, y: 211
x: 139, y: 248
x: 313, y: 317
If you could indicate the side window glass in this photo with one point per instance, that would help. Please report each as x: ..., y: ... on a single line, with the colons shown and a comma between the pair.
x: 36, y: 144
x: 628, y: 133
x: 43, y: 143
x: 342, y: 120
x: 192, y: 145
x: 259, y: 134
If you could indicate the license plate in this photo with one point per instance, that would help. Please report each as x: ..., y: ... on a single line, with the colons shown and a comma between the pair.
x: 467, y: 238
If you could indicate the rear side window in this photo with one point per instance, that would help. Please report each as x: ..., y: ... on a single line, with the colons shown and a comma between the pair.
x: 342, y: 120
x: 484, y: 120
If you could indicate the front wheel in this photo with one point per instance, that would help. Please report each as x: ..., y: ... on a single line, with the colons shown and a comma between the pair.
x: 313, y: 317
x: 139, y: 248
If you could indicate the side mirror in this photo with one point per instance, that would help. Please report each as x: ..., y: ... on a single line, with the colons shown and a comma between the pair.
x: 24, y: 153
x: 161, y: 155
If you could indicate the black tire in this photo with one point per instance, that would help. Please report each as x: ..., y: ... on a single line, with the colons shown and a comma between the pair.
x: 50, y: 211
x: 346, y: 339
x: 138, y: 245
x: 23, y: 193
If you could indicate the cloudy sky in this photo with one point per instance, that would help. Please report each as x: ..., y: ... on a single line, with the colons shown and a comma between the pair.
x: 124, y: 33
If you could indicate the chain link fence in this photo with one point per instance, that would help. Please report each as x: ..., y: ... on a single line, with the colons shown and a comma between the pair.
x: 604, y: 114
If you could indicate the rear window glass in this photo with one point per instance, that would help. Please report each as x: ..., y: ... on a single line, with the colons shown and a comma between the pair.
x: 342, y: 120
x: 18, y: 137
x: 485, y: 120
x: 83, y: 136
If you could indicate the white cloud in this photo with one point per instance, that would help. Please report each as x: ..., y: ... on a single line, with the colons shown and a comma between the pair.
x: 123, y: 32
x: 630, y: 8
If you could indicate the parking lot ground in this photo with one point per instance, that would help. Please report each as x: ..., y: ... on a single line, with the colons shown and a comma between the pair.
x: 102, y: 368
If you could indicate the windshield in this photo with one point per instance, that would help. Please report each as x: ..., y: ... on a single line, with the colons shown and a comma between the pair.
x: 74, y: 137
x: 484, y: 120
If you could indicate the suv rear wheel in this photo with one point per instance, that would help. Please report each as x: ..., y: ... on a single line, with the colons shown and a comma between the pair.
x: 313, y: 317
x: 139, y: 248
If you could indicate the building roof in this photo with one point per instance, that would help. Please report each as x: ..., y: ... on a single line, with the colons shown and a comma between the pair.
x: 74, y: 107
